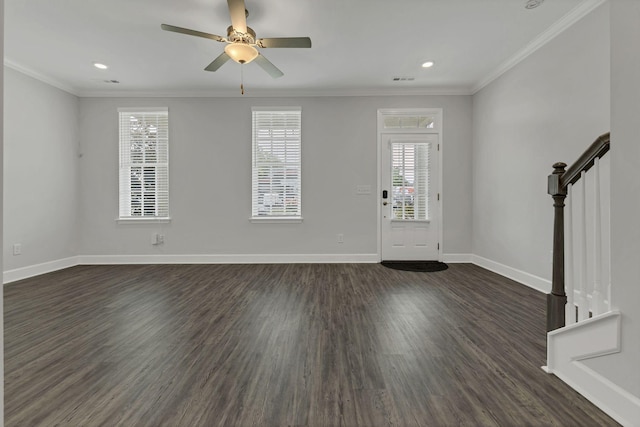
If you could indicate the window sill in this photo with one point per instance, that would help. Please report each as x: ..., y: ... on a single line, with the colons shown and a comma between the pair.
x: 142, y: 220
x: 276, y: 219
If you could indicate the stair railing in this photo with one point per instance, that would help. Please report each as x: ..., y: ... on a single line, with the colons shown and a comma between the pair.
x: 561, y: 303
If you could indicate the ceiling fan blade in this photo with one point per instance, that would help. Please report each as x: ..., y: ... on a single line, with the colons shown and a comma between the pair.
x: 189, y: 32
x: 218, y: 62
x: 238, y: 15
x: 284, y: 42
x: 266, y: 65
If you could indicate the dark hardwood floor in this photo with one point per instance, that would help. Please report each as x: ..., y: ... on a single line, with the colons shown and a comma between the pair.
x: 289, y: 345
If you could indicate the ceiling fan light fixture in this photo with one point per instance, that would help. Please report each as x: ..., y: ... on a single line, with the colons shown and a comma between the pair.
x: 242, y: 53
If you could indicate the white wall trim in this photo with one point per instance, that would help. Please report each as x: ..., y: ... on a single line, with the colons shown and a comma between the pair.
x: 598, y: 336
x: 281, y: 93
x: 38, y: 269
x: 613, y: 400
x: 51, y: 266
x: 457, y: 258
x: 38, y: 76
x: 580, y: 11
x: 229, y: 259
x: 535, y: 282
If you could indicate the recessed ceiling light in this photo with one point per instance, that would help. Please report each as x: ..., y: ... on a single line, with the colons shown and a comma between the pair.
x: 428, y: 64
x: 99, y: 65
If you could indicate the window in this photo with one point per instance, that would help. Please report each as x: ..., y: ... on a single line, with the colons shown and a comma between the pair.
x: 276, y: 158
x: 410, y: 180
x: 144, y: 163
x: 409, y: 122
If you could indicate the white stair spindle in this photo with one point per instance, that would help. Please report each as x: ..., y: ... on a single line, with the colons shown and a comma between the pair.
x: 570, y: 308
x: 583, y: 305
x: 597, y: 299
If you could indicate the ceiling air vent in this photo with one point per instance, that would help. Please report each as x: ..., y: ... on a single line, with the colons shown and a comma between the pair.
x: 403, y: 79
x: 532, y: 4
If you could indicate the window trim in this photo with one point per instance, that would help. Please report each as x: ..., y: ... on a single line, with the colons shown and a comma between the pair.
x: 142, y: 219
x: 282, y: 219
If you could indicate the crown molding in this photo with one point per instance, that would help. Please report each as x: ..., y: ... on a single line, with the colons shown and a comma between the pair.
x: 258, y: 93
x: 275, y: 93
x: 38, y: 76
x: 567, y: 21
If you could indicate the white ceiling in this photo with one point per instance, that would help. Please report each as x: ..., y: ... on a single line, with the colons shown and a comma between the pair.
x: 359, y: 46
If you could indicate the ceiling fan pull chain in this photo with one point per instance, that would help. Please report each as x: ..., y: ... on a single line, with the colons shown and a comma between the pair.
x: 242, y: 79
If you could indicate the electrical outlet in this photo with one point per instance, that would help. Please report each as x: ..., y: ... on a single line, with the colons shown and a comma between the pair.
x: 17, y: 249
x: 340, y: 238
x: 157, y: 239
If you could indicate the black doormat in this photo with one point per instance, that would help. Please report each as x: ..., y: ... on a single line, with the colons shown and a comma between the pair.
x: 423, y: 266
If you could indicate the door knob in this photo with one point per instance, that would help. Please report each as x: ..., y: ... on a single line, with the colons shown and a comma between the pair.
x: 384, y: 203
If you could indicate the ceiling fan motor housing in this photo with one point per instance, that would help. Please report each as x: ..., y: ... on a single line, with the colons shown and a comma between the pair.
x: 235, y: 36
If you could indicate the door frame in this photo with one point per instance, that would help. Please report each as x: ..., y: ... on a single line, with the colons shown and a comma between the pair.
x: 437, y: 129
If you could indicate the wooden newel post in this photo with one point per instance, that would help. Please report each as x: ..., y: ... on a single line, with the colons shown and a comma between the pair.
x: 557, y: 299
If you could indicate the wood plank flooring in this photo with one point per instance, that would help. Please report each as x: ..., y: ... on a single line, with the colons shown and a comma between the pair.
x: 280, y: 345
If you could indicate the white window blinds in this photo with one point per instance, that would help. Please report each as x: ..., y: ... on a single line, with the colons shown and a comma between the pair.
x: 276, y: 161
x: 410, y: 194
x: 144, y: 163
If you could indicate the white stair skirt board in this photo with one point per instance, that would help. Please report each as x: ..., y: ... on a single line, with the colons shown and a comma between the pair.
x: 598, y: 336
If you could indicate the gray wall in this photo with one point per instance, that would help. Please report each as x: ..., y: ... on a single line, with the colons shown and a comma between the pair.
x: 40, y: 171
x: 210, y: 177
x: 548, y: 108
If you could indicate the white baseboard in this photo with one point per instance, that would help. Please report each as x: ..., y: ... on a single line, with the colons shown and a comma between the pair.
x: 48, y: 267
x: 566, y: 349
x: 613, y: 400
x: 535, y: 282
x: 35, y: 270
x: 457, y: 258
x: 229, y: 259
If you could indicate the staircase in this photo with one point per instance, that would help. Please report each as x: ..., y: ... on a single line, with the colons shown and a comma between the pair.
x: 581, y: 323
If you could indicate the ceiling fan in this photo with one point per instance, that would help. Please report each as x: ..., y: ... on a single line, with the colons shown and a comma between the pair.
x: 242, y: 42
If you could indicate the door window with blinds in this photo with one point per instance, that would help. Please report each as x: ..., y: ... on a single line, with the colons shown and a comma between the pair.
x: 410, y: 180
x: 276, y: 164
x: 144, y: 163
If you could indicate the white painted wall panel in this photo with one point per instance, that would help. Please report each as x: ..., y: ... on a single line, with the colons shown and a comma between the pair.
x: 210, y: 172
x: 40, y: 171
x: 546, y: 109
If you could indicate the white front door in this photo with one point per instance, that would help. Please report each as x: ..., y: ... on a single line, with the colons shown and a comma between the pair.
x: 409, y: 201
